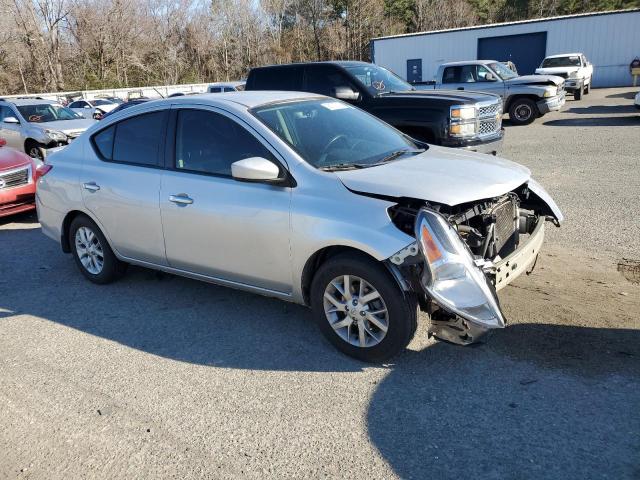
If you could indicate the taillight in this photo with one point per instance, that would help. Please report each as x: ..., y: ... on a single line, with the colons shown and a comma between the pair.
x: 42, y: 170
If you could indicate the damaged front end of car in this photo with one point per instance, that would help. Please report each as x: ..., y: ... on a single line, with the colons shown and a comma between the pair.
x: 464, y: 254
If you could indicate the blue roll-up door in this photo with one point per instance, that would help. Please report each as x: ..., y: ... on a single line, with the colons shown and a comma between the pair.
x: 526, y: 50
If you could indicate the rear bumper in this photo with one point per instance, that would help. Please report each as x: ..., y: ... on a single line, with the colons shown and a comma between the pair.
x: 551, y: 104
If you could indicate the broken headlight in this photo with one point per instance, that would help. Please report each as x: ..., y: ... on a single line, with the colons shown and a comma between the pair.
x: 451, y: 277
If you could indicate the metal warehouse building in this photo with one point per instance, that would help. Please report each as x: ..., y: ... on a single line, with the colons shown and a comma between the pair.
x: 609, y: 40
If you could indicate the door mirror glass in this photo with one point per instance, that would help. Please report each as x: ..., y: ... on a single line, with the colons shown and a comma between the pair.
x: 13, y: 120
x: 346, y: 93
x: 489, y: 77
x: 255, y: 169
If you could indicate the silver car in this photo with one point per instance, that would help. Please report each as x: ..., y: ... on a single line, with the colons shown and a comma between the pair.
x: 304, y: 198
x: 33, y: 126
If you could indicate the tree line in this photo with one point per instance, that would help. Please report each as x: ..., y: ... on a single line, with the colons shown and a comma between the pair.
x: 55, y: 45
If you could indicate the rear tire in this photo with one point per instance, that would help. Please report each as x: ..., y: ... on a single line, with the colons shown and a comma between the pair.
x: 577, y: 95
x: 523, y: 111
x: 92, y: 252
x: 392, y: 309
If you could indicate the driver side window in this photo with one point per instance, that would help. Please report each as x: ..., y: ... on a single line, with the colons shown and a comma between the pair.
x: 208, y: 142
x: 482, y: 74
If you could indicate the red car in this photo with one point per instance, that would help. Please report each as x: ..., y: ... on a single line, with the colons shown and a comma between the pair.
x: 17, y: 181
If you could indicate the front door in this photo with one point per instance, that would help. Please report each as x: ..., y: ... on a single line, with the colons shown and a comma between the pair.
x: 10, y: 131
x: 215, y: 225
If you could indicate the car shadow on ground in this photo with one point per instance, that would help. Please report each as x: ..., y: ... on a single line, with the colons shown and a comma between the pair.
x: 629, y: 95
x: 603, y: 109
x: 595, y: 122
x: 535, y: 401
x: 27, y: 218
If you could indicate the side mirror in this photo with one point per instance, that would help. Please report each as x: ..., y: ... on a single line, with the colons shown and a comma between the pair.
x: 489, y: 77
x: 255, y: 169
x: 346, y: 93
x: 13, y: 120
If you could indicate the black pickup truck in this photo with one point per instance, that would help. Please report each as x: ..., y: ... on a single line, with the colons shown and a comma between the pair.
x: 469, y: 120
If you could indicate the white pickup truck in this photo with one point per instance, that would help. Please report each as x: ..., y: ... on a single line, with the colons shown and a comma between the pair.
x: 574, y: 68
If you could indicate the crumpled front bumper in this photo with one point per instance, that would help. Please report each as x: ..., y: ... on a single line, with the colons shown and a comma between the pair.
x: 552, y: 103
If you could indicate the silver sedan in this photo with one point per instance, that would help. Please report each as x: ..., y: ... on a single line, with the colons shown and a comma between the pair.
x: 304, y: 198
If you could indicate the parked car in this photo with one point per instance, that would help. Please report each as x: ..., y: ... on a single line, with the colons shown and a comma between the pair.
x: 33, y: 126
x: 574, y: 67
x: 303, y: 198
x: 526, y: 97
x: 17, y: 181
x: 116, y: 100
x: 125, y: 105
x: 95, y: 109
x: 467, y: 120
x: 220, y: 87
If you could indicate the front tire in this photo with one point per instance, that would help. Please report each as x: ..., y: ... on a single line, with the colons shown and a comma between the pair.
x: 577, y: 95
x: 360, y: 308
x: 34, y: 149
x: 92, y: 252
x: 523, y: 111
x: 587, y: 88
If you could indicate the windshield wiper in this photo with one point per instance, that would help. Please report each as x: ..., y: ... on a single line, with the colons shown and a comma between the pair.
x: 399, y: 153
x: 342, y: 166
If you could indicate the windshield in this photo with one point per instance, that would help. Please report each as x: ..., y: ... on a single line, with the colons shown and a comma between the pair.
x: 378, y: 80
x: 47, y: 112
x: 504, y: 72
x: 330, y: 134
x: 571, y: 61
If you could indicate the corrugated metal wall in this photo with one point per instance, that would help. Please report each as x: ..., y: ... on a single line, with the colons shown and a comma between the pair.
x: 610, y: 41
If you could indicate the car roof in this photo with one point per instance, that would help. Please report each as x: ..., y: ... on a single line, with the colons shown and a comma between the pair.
x: 342, y: 63
x: 226, y: 84
x: 250, y: 99
x: 27, y: 101
x: 559, y: 55
x: 469, y: 62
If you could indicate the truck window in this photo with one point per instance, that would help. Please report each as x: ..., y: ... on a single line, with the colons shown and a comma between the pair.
x: 324, y: 79
x: 460, y: 74
x: 276, y: 78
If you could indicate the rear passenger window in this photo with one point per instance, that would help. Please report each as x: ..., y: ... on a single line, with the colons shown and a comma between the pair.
x: 136, y: 140
x: 276, y: 78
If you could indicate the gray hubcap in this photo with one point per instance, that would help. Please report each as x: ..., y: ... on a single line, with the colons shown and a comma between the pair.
x: 523, y: 112
x: 356, y: 311
x: 89, y: 250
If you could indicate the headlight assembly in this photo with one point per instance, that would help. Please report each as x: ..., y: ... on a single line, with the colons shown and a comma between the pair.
x: 550, y: 92
x: 56, y: 135
x: 463, y: 113
x: 451, y: 277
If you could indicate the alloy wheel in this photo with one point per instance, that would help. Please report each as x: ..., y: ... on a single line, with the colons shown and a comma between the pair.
x: 356, y: 311
x: 89, y: 250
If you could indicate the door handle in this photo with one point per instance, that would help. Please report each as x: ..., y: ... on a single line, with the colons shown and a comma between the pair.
x: 460, y: 88
x: 181, y: 199
x: 91, y: 186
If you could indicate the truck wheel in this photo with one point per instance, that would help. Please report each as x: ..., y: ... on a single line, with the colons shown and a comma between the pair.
x: 577, y: 95
x: 523, y: 111
x: 587, y: 88
x: 360, y: 308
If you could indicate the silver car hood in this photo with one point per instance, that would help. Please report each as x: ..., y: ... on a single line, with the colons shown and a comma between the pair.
x: 68, y: 126
x: 440, y: 175
x: 537, y: 80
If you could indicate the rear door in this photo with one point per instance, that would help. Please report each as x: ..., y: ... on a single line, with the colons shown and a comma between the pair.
x: 215, y: 225
x: 121, y: 184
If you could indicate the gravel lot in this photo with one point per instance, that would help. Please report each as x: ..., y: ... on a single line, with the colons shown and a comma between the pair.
x: 162, y: 377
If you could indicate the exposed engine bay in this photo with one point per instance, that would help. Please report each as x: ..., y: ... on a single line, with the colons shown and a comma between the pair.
x: 493, y: 230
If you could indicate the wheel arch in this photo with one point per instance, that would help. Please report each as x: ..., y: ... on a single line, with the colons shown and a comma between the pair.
x: 513, y: 98
x: 65, y: 241
x: 319, y: 257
